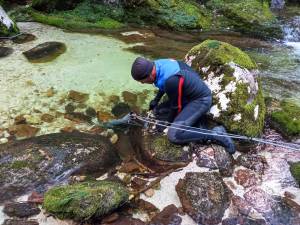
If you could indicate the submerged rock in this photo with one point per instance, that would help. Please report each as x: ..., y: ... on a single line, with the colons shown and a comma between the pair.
x: 24, y: 38
x: 215, y: 157
x: 168, y: 216
x: 49, y: 159
x: 162, y: 149
x: 45, y: 52
x: 253, y: 162
x: 21, y: 209
x: 85, y: 200
x: 204, y: 196
x: 125, y: 220
x: 5, y: 51
x: 7, y: 26
x: 23, y: 130
x: 20, y: 222
x: 78, y: 97
x: 231, y: 75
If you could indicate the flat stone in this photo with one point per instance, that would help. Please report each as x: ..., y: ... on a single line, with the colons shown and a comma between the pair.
x: 253, y: 162
x: 246, y: 178
x: 45, y: 52
x: 23, y: 130
x: 24, y: 38
x: 169, y: 215
x: 204, y: 196
x: 5, y: 51
x: 78, y: 97
x: 24, y: 209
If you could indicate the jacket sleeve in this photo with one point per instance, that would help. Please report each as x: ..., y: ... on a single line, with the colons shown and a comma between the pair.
x: 159, y: 95
x: 173, y: 89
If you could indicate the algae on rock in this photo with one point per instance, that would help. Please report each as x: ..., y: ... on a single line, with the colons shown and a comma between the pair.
x: 7, y: 26
x: 287, y: 119
x: 85, y: 200
x: 295, y: 171
x: 232, y: 76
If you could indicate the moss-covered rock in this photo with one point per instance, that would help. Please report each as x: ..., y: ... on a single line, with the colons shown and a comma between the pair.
x: 7, y: 26
x: 287, y: 119
x: 250, y: 17
x: 161, y: 148
x: 175, y: 14
x: 295, y: 171
x: 85, y: 200
x: 231, y: 75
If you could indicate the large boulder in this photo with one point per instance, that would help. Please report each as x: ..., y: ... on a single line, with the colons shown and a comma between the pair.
x: 250, y: 17
x: 46, y: 160
x: 232, y: 76
x: 7, y: 26
x: 204, y: 196
x: 85, y: 200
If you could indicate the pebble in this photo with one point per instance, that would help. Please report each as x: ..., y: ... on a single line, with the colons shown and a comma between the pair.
x: 149, y: 193
x: 3, y: 140
x: 114, y: 139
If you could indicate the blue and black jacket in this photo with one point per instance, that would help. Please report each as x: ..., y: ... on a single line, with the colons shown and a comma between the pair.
x: 180, y: 82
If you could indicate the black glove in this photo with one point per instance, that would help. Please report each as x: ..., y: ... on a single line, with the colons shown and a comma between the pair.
x: 153, y: 104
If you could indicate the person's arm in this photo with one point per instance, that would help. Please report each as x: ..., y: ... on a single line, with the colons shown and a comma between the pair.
x: 156, y: 100
x: 173, y: 89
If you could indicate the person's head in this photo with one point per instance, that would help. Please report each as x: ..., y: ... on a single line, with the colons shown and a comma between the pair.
x: 141, y: 70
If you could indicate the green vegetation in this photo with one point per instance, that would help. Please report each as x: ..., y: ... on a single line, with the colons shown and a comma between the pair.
x: 85, y: 200
x: 287, y: 120
x: 20, y: 165
x: 295, y: 171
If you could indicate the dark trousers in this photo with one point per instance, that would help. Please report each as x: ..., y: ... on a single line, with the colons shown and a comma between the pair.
x: 190, y: 116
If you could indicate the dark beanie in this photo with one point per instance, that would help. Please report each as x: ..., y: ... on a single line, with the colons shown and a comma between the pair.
x: 141, y: 68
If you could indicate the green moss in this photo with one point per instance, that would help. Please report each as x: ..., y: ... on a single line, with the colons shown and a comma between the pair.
x: 295, y: 171
x: 175, y: 14
x: 85, y: 200
x: 288, y: 118
x: 164, y: 150
x: 216, y: 53
x: 251, y: 16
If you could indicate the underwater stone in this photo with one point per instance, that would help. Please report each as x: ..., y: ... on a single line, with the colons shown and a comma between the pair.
x: 204, y: 210
x: 77, y: 96
x: 21, y: 209
x: 45, y: 52
x: 23, y: 130
x: 24, y: 38
x: 5, y: 51
x: 120, y: 109
x: 20, y: 222
x: 85, y: 200
x: 232, y: 77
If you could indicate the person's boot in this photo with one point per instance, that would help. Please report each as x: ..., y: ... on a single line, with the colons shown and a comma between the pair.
x: 226, y: 142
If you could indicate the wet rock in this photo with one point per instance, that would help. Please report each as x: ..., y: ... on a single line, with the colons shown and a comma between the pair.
x: 104, y: 116
x: 204, y: 196
x: 243, y: 207
x: 35, y: 198
x: 232, y: 76
x: 24, y: 38
x: 111, y: 218
x: 138, y: 183
x: 91, y: 112
x: 20, y: 222
x: 246, y: 178
x: 253, y: 162
x: 23, y: 130
x: 85, y: 200
x: 5, y: 51
x: 130, y: 167
x: 215, y: 157
x: 145, y: 206
x: 45, y: 52
x: 120, y: 109
x: 129, y: 97
x: 295, y: 171
x: 124, y: 220
x: 70, y: 108
x: 78, y: 117
x: 21, y: 210
x: 161, y: 148
x: 78, y: 97
x: 149, y: 193
x: 243, y: 221
x: 20, y: 120
x: 168, y: 216
x: 47, y: 118
x: 38, y: 162
x: 50, y: 92
x: 272, y: 208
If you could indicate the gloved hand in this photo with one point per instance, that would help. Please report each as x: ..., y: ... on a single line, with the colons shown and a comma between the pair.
x: 153, y: 104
